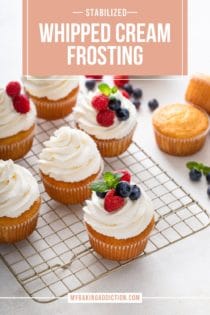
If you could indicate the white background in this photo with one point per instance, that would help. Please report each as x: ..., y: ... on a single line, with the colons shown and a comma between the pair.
x: 181, y: 270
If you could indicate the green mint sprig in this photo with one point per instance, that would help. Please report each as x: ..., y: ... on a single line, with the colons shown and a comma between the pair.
x: 198, y: 166
x: 105, y: 89
x: 110, y: 181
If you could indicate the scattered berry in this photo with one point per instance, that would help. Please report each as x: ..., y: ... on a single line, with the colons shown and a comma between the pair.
x: 195, y: 175
x: 97, y: 77
x: 137, y: 93
x: 208, y: 191
x: 114, y: 104
x: 153, y: 104
x: 208, y: 178
x: 120, y: 80
x: 123, y: 189
x: 90, y: 85
x: 135, y: 192
x: 13, y: 89
x: 100, y: 102
x: 137, y: 104
x: 122, y: 114
x: 105, y: 118
x: 21, y: 104
x: 128, y: 88
x: 125, y: 94
x: 126, y: 176
x: 101, y: 194
x: 112, y: 202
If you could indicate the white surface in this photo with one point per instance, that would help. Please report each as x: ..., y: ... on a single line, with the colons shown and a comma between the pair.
x: 179, y: 270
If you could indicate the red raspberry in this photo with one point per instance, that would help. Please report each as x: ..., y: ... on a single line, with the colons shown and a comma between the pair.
x: 126, y: 176
x: 105, y: 118
x: 100, y: 102
x: 121, y: 80
x: 21, y: 104
x: 112, y: 202
x: 125, y: 94
x: 96, y: 77
x: 13, y: 89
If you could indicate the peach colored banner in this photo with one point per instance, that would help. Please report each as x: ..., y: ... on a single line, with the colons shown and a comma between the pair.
x: 138, y: 37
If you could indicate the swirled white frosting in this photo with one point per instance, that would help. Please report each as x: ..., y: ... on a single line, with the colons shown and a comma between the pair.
x: 52, y: 87
x: 18, y: 189
x: 12, y: 122
x: 70, y: 156
x: 85, y: 117
x: 129, y: 221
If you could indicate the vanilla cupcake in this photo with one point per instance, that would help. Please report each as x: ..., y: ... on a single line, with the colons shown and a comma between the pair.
x: 17, y: 123
x: 19, y: 202
x: 69, y: 163
x: 119, y: 217
x: 109, y: 118
x: 53, y: 96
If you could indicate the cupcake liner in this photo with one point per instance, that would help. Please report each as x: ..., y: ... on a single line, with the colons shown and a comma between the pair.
x: 16, y: 229
x: 119, y: 249
x: 51, y: 110
x: 198, y: 93
x: 17, y: 146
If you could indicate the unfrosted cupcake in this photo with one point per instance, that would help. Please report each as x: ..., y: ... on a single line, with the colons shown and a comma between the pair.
x: 69, y: 163
x: 19, y: 202
x: 17, y: 123
x: 53, y: 96
x: 198, y: 91
x: 119, y: 217
x: 109, y: 118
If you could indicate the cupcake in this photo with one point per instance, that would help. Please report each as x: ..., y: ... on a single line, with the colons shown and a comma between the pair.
x: 53, y: 96
x: 69, y: 163
x: 17, y: 123
x: 119, y: 217
x: 19, y: 202
x: 180, y: 129
x: 109, y: 118
x: 198, y: 91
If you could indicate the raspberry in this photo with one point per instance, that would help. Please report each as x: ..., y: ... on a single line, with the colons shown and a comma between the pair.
x: 120, y: 80
x: 112, y: 202
x: 105, y: 118
x: 21, y: 104
x: 13, y: 89
x: 96, y: 77
x: 125, y: 94
x: 100, y: 102
x: 126, y: 176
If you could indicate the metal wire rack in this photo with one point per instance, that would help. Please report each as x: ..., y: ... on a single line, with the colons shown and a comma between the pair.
x: 57, y: 258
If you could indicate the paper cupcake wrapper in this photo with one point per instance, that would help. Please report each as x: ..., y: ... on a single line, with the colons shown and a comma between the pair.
x: 198, y: 93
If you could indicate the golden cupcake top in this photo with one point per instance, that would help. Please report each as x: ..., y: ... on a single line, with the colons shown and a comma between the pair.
x: 201, y: 77
x: 180, y: 121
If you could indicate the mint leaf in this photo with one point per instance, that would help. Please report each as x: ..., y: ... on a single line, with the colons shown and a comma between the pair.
x: 193, y: 165
x: 206, y: 170
x: 111, y: 179
x: 99, y: 186
x: 105, y: 89
x: 114, y: 90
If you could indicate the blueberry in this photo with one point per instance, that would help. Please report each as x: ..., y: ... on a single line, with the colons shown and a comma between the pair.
x: 114, y: 104
x: 128, y: 88
x: 123, y: 189
x: 122, y: 114
x: 137, y: 104
x: 137, y: 93
x: 195, y: 175
x: 135, y: 192
x: 101, y: 195
x: 90, y: 84
x: 153, y: 104
x: 208, y: 191
x: 208, y: 178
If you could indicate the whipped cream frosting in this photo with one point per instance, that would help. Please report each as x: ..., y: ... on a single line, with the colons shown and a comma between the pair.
x: 70, y: 156
x: 85, y: 117
x: 52, y: 87
x: 18, y: 189
x: 129, y: 221
x: 12, y: 122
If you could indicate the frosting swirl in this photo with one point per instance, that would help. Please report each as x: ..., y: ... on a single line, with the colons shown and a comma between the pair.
x: 12, y: 122
x: 127, y: 222
x: 18, y: 189
x: 85, y: 117
x: 70, y: 156
x: 52, y: 87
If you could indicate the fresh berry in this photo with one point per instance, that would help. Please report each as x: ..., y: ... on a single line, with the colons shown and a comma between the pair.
x: 123, y: 189
x: 100, y: 102
x: 105, y: 118
x: 195, y: 175
x: 208, y: 191
x: 137, y: 93
x: 121, y: 80
x: 137, y: 104
x: 101, y: 194
x: 90, y: 85
x: 21, y: 104
x: 114, y: 104
x: 126, y: 176
x: 135, y: 192
x: 125, y: 94
x: 128, y: 88
x: 153, y: 104
x: 96, y: 77
x: 13, y: 89
x: 122, y: 114
x: 208, y: 178
x: 112, y: 202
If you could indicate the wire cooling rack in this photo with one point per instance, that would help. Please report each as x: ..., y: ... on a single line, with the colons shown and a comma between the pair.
x: 57, y: 258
